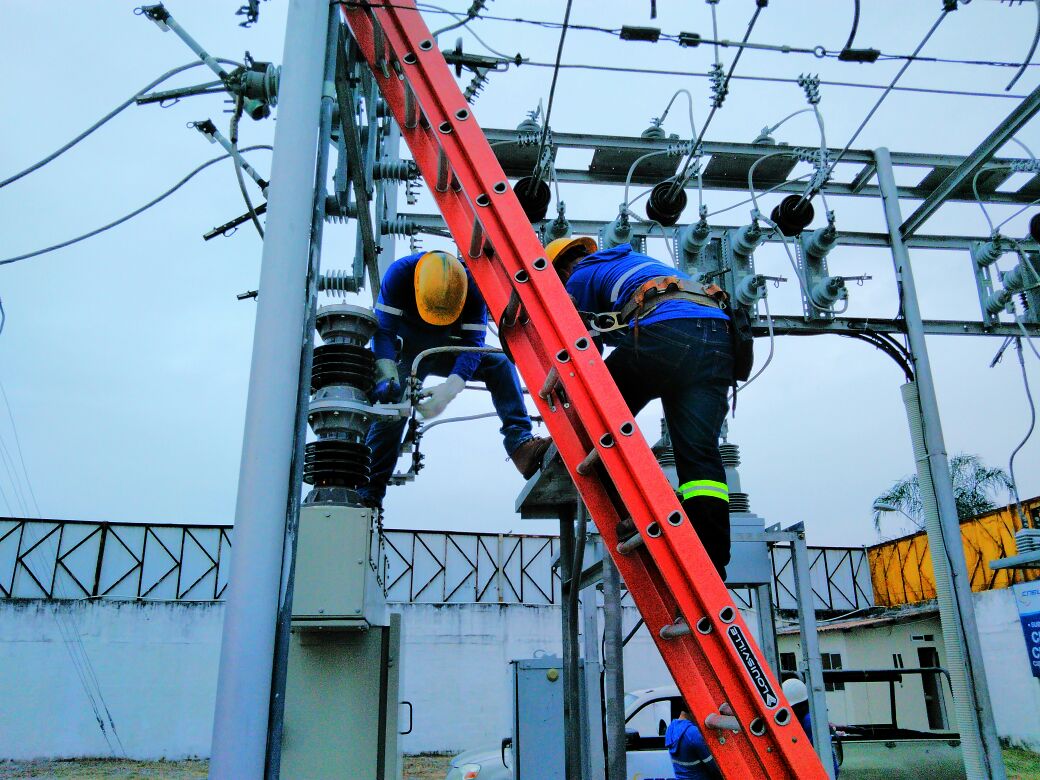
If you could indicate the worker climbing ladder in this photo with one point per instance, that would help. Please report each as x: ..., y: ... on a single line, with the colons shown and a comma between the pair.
x: 699, y: 632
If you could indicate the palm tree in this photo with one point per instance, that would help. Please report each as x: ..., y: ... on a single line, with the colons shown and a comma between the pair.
x: 975, y: 486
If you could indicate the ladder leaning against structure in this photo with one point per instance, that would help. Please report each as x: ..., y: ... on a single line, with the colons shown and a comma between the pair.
x: 701, y: 635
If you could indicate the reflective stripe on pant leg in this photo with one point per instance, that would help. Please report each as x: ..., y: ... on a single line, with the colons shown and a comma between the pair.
x: 704, y: 487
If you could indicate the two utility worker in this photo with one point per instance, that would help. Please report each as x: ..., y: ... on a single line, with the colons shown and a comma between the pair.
x: 672, y: 343
x: 430, y: 300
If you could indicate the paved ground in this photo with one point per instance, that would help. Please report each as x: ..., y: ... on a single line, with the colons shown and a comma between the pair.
x: 1021, y: 765
x: 433, y: 767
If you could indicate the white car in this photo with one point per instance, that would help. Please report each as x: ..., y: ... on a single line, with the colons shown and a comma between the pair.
x: 647, y: 715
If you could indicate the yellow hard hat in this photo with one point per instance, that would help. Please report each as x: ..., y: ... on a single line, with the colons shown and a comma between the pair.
x: 561, y: 246
x: 440, y: 288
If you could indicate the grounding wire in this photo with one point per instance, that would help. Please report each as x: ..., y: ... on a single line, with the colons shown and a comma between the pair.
x: 935, y: 26
x: 236, y: 117
x: 552, y: 95
x: 1032, y: 422
x: 125, y: 104
x: 780, y: 80
x: 133, y: 213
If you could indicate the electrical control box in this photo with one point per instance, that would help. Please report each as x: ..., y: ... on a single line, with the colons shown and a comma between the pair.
x: 332, y: 554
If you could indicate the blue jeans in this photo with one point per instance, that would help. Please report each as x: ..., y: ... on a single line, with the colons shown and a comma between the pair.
x: 688, y: 364
x: 495, y: 371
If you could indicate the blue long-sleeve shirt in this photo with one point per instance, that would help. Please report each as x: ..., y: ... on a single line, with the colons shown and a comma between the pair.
x: 398, y: 316
x: 806, y: 721
x: 605, y: 280
x: 691, y: 758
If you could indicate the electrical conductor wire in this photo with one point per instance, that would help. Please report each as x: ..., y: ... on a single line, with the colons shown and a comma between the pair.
x: 111, y: 114
x: 552, y: 95
x: 133, y: 213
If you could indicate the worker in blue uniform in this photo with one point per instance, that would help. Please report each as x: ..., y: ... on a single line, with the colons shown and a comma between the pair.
x: 691, y: 759
x: 672, y: 342
x: 430, y: 300
x: 797, y: 696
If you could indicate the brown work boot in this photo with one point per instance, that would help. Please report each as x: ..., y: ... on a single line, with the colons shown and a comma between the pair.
x: 528, y: 456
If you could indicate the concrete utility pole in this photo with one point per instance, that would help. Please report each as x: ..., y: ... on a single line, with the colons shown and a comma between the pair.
x: 267, y: 492
x: 979, y: 743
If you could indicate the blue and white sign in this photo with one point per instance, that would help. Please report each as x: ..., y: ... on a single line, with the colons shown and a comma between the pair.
x: 1027, y: 597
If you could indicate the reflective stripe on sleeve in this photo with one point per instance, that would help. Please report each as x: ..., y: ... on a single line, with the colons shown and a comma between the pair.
x: 616, y: 289
x: 705, y: 487
x: 476, y: 326
x: 389, y: 309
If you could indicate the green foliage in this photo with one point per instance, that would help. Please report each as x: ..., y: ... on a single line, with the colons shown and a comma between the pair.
x: 976, y: 487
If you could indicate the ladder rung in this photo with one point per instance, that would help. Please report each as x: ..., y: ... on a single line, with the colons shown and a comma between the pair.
x: 673, y: 630
x: 476, y: 241
x: 631, y: 544
x: 411, y: 109
x: 551, y: 380
x: 722, y: 722
x: 585, y: 467
x: 443, y: 172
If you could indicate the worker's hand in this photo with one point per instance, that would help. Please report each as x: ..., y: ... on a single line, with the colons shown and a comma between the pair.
x: 388, y: 382
x: 435, y: 400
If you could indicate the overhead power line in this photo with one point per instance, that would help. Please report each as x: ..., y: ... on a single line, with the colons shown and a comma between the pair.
x: 122, y: 106
x: 552, y: 92
x: 133, y: 213
x: 774, y: 80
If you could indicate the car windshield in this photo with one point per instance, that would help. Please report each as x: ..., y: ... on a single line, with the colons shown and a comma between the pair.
x: 630, y: 699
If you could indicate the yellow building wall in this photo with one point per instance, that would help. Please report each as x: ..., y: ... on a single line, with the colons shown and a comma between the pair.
x: 901, y: 569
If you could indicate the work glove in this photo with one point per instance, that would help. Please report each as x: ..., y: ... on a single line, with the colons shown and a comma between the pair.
x: 388, y: 382
x: 435, y: 400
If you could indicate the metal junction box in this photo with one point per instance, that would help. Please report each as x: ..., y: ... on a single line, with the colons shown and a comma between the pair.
x: 332, y: 551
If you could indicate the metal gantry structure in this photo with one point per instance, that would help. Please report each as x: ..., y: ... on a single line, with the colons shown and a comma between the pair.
x: 331, y: 98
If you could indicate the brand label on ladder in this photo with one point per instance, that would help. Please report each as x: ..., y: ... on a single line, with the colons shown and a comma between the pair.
x: 754, y: 667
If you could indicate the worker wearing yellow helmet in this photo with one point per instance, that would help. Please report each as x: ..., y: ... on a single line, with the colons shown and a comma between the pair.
x: 429, y: 300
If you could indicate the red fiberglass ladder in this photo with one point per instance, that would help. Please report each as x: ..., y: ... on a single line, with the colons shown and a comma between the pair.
x: 701, y: 635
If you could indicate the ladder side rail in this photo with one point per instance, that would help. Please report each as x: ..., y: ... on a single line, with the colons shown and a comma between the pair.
x: 684, y: 548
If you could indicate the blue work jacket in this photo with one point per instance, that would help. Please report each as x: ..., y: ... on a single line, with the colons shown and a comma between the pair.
x: 605, y: 280
x: 398, y: 316
x: 691, y: 758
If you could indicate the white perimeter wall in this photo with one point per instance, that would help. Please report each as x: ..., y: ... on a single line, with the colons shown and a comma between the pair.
x: 156, y: 666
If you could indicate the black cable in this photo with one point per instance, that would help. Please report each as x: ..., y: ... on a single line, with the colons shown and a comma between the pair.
x: 855, y: 26
x: 1029, y: 433
x: 777, y: 80
x: 125, y: 104
x: 680, y: 178
x: 133, y: 213
x: 830, y: 168
x: 1030, y: 53
x: 236, y: 117
x: 552, y: 94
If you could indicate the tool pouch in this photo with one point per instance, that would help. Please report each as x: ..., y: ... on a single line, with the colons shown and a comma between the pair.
x: 742, y: 342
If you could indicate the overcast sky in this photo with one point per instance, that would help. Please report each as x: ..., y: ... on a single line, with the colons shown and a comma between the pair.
x: 125, y: 358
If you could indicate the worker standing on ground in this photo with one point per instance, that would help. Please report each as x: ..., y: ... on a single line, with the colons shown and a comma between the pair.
x: 690, y: 756
x: 797, y: 696
x: 429, y: 300
x: 674, y: 345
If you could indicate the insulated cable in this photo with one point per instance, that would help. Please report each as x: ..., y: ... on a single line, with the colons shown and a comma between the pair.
x: 1032, y: 421
x: 552, y: 94
x: 236, y: 117
x: 125, y: 104
x: 769, y: 357
x: 935, y: 26
x: 133, y: 213
x: 689, y: 98
x: 1030, y: 53
x: 679, y: 179
x: 855, y: 26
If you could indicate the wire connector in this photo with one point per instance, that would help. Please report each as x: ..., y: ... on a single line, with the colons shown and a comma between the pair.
x: 719, y: 90
x: 811, y: 85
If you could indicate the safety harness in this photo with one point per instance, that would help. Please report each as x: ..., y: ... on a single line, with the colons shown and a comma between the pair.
x: 651, y: 294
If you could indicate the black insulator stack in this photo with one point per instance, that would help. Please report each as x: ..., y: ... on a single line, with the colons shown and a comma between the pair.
x: 342, y: 364
x: 337, y: 463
